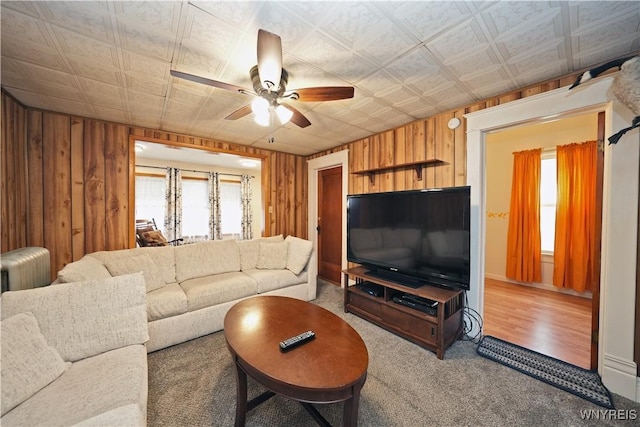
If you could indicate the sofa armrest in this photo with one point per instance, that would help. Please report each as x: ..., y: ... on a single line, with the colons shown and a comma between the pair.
x: 83, y: 319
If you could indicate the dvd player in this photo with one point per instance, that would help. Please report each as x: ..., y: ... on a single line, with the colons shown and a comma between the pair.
x: 415, y: 303
x: 371, y: 288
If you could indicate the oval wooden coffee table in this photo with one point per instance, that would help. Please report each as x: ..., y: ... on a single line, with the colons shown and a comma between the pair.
x: 330, y: 368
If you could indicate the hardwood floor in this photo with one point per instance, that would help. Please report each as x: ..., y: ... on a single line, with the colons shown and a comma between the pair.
x: 550, y: 323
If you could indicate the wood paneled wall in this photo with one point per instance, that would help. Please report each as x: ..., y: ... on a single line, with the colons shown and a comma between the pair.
x: 425, y: 139
x: 66, y: 183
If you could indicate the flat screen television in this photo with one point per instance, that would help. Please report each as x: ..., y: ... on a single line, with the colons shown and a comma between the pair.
x: 413, y: 237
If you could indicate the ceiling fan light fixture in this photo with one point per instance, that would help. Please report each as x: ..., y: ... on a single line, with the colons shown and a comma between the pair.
x: 284, y: 114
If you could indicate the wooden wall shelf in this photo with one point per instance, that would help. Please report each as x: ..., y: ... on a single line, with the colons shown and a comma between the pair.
x: 418, y: 166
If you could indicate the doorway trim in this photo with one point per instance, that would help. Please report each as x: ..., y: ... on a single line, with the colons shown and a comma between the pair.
x: 340, y: 158
x: 619, y: 221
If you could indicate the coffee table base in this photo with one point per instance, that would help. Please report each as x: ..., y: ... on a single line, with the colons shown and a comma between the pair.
x: 350, y: 410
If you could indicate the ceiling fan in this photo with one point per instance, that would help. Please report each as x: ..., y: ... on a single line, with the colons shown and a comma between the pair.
x: 269, y: 81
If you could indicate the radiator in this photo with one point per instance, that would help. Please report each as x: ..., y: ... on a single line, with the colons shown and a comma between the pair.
x: 25, y: 268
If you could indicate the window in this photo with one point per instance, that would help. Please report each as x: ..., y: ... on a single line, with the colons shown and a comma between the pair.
x: 150, y: 199
x: 548, y: 197
x: 230, y: 209
x: 195, y: 208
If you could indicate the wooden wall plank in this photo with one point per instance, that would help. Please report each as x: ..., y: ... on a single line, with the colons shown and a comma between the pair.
x: 77, y: 190
x: 57, y: 189
x: 94, y: 186
x: 116, y: 154
x: 460, y: 150
x: 35, y: 220
x: 7, y: 145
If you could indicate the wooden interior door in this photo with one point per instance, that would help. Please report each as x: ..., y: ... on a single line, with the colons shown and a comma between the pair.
x: 330, y: 224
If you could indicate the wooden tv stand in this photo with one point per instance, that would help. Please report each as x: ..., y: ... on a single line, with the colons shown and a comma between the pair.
x: 434, y: 332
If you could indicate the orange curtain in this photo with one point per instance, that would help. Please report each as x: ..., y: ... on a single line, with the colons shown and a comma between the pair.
x: 523, y: 238
x: 575, y: 216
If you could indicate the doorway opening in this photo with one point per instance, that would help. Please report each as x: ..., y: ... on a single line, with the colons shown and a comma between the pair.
x: 539, y: 316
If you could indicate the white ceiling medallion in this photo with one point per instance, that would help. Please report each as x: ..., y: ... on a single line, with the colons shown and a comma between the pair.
x: 454, y: 123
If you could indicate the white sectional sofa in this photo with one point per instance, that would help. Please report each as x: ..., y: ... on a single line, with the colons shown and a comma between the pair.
x: 190, y: 288
x: 75, y: 353
x: 72, y: 357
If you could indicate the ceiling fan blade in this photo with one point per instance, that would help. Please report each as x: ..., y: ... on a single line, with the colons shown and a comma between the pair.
x: 269, y: 59
x: 239, y: 113
x: 318, y: 94
x: 298, y: 118
x: 205, y: 81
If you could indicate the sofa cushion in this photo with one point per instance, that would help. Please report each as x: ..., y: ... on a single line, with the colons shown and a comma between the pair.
x: 99, y: 315
x: 269, y: 280
x: 273, y: 256
x: 250, y: 250
x: 206, y: 258
x: 298, y: 253
x: 167, y: 301
x: 143, y: 262
x: 29, y: 363
x: 86, y: 268
x: 165, y: 259
x: 111, y: 387
x: 212, y: 290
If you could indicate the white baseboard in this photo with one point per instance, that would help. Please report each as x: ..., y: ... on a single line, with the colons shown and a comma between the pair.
x: 620, y: 375
x: 543, y: 286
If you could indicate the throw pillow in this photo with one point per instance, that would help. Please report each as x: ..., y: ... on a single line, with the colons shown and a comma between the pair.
x: 298, y: 254
x: 154, y: 238
x: 273, y: 256
x: 87, y: 268
x: 29, y: 363
x: 152, y: 276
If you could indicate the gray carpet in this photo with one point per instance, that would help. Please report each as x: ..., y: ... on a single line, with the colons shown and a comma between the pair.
x: 193, y: 384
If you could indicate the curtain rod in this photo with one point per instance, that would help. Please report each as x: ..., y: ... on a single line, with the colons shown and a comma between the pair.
x: 193, y: 170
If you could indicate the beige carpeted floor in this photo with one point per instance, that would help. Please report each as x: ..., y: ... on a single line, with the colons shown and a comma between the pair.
x: 193, y: 384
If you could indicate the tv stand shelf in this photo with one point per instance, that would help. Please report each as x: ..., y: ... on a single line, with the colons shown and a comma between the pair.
x: 434, y: 332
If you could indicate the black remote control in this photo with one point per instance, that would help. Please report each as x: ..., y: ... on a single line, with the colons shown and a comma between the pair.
x: 293, y: 342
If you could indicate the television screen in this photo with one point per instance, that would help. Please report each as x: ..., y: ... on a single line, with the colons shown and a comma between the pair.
x: 413, y: 237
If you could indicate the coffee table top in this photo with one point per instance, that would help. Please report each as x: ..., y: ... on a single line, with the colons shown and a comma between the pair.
x: 335, y: 360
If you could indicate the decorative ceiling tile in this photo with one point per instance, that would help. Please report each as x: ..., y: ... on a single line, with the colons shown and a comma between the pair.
x: 506, y: 17
x: 425, y: 19
x: 238, y: 14
x: 153, y: 87
x: 146, y: 99
x: 94, y: 71
x: 543, y: 34
x: 149, y: 67
x: 95, y: 87
x: 473, y: 62
x: 587, y: 13
x: 90, y: 18
x: 26, y: 28
x: 32, y: 53
x: 466, y: 37
x: 163, y: 15
x: 406, y: 60
x: 76, y: 45
x: 624, y: 30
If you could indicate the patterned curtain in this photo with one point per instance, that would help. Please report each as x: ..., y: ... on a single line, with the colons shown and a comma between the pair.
x: 215, y: 232
x: 173, y: 196
x: 245, y: 200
